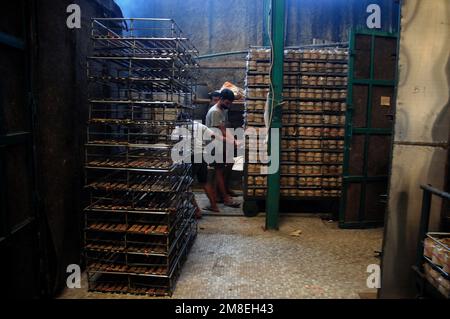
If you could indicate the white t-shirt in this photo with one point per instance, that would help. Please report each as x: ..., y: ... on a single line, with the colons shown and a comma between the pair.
x: 200, y: 134
x: 216, y: 117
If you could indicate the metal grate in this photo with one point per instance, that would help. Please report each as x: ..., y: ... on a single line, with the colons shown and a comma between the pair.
x: 140, y: 222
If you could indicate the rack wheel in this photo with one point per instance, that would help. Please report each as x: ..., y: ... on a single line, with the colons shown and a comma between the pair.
x: 250, y: 208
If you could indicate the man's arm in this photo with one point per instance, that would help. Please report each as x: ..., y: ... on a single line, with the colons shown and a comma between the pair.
x: 221, y: 137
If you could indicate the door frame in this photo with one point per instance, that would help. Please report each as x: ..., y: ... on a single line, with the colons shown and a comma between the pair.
x: 350, y: 131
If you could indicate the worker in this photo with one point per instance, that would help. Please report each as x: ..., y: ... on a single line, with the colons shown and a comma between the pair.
x: 214, y: 98
x: 228, y: 170
x: 199, y: 166
x: 217, y: 117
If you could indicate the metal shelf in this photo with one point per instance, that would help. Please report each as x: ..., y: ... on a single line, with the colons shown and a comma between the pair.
x: 299, y: 84
x: 311, y: 175
x: 169, y: 271
x: 297, y: 198
x: 319, y: 61
x: 140, y: 249
x: 140, y: 102
x: 312, y: 138
x: 437, y: 268
x: 253, y: 124
x: 144, y: 184
x: 311, y: 187
x: 255, y: 98
x: 140, y: 213
x: 304, y: 99
x: 254, y: 111
x: 321, y: 150
x: 325, y: 74
x: 314, y: 112
x: 319, y: 87
x: 312, y: 198
x: 256, y: 86
x: 313, y: 125
x: 309, y: 163
x: 144, y: 82
x: 128, y: 145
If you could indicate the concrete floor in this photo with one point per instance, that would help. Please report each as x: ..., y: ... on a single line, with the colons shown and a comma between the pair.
x: 203, y: 202
x: 233, y: 257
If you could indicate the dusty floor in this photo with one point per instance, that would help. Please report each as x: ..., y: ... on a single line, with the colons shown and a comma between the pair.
x: 233, y: 257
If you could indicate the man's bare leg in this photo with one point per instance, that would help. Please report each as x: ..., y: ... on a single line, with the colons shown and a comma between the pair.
x: 221, y: 185
x: 228, y: 177
x: 209, y: 191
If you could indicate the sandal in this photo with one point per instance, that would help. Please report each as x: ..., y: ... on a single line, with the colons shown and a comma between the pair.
x: 232, y: 193
x: 233, y: 204
x: 210, y: 209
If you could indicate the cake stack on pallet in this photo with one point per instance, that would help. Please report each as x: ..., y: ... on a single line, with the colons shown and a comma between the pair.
x: 314, y: 105
x: 257, y: 88
x: 139, y: 224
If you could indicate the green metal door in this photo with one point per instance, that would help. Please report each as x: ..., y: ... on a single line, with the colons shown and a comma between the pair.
x: 369, y: 126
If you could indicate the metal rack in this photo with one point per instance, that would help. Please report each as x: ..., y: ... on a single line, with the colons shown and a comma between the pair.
x: 139, y: 223
x: 315, y: 83
x: 432, y: 268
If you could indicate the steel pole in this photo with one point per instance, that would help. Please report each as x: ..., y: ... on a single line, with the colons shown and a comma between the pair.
x: 273, y: 180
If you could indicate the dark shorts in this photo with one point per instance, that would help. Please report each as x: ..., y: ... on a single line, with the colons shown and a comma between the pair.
x: 200, y: 170
x: 223, y: 155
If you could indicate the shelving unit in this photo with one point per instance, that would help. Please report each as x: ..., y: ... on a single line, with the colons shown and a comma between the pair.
x: 139, y: 223
x: 315, y: 93
x: 432, y: 267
